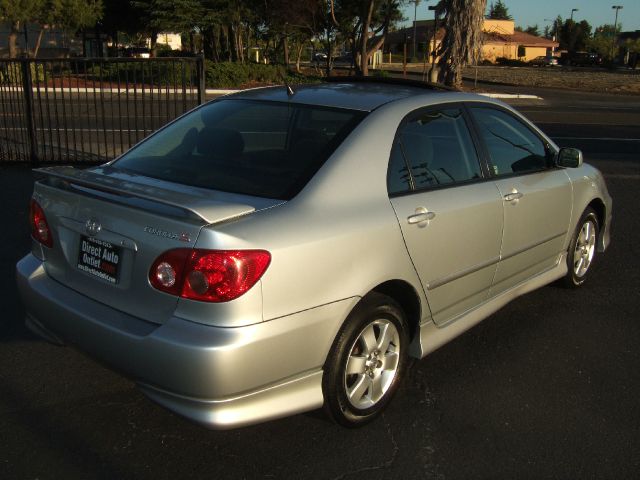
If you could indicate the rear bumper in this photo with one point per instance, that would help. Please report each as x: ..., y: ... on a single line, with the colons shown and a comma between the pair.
x: 221, y: 377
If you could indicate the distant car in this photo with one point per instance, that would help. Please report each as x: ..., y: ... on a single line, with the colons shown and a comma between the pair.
x: 345, y: 59
x: 544, y: 61
x: 319, y: 57
x: 583, y: 59
x: 283, y: 249
x: 137, y: 52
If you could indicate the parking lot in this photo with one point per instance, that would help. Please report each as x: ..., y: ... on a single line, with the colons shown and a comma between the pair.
x: 547, y: 387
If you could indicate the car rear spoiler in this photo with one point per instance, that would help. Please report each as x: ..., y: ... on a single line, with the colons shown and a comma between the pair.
x: 196, y: 206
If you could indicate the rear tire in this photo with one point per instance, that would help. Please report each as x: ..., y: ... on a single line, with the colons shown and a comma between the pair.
x: 367, y: 361
x: 582, y: 249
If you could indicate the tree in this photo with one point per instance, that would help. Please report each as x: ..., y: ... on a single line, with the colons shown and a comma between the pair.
x: 287, y: 24
x: 462, y: 42
x: 365, y: 23
x: 167, y: 15
x: 602, y: 40
x: 69, y: 15
x: 374, y: 21
x: 574, y: 36
x: 17, y: 13
x: 532, y: 30
x: 499, y: 11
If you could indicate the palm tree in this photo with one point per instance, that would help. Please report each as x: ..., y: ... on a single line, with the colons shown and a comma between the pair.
x: 462, y: 40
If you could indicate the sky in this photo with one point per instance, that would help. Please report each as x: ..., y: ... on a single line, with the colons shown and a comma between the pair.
x: 531, y: 12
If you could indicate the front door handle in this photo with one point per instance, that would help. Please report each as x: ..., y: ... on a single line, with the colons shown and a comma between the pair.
x: 422, y: 216
x: 513, y: 197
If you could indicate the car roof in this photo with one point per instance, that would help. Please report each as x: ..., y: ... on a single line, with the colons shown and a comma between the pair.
x: 354, y: 95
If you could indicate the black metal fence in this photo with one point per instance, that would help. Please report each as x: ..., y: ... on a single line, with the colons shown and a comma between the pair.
x: 90, y: 110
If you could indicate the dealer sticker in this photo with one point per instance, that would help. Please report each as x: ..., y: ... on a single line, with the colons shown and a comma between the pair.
x: 99, y: 258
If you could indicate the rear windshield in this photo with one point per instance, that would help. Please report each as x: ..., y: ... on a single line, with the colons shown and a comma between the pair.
x: 264, y: 149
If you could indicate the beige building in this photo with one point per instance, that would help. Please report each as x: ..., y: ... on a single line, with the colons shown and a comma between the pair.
x: 173, y: 40
x: 500, y: 40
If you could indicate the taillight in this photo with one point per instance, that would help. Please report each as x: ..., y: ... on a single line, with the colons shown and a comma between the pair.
x: 39, y: 227
x: 208, y: 275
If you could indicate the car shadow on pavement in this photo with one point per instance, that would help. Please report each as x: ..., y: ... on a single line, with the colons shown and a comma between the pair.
x: 16, y: 185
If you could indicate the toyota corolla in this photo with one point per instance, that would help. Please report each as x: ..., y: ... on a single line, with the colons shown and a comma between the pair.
x: 280, y: 250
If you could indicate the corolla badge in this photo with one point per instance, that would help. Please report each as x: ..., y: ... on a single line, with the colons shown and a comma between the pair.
x: 182, y: 237
x: 92, y: 227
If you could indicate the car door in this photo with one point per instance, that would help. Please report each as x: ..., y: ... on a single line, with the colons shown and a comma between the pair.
x: 449, y: 213
x: 537, y: 195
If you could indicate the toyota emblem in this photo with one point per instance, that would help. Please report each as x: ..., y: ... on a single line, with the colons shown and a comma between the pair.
x: 92, y: 227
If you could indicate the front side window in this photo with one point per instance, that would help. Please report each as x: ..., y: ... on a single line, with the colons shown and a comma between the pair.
x: 432, y: 149
x: 263, y: 149
x: 513, y: 148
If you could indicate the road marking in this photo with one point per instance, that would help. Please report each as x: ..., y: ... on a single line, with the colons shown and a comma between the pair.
x: 588, y: 107
x: 623, y: 176
x: 546, y: 122
x: 600, y: 139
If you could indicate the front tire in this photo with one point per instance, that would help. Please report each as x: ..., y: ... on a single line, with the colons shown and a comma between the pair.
x: 367, y: 361
x: 582, y: 249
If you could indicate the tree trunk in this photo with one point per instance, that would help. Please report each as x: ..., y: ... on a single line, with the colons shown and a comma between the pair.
x: 13, y: 39
x: 299, y: 55
x: 285, y: 49
x: 207, y: 43
x: 154, y: 44
x: 233, y: 47
x: 240, y: 43
x: 462, y: 41
x: 364, y: 38
x: 38, y: 41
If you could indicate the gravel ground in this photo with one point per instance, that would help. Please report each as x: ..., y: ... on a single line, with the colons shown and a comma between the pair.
x: 573, y: 78
x: 585, y: 79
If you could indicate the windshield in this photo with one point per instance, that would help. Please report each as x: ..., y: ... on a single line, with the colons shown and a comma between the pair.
x: 264, y: 149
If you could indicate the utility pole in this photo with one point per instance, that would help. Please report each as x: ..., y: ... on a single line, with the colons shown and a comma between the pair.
x: 573, y: 10
x: 615, y: 29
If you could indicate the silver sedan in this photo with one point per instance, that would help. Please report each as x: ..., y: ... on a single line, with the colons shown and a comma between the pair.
x: 281, y: 250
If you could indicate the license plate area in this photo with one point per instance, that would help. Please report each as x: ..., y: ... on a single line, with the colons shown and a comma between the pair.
x: 100, y: 259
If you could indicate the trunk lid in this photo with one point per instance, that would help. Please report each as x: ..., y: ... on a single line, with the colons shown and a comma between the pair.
x: 109, y: 227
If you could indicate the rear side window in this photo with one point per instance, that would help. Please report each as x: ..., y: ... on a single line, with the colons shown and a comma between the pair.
x: 433, y: 149
x: 264, y: 149
x: 513, y: 148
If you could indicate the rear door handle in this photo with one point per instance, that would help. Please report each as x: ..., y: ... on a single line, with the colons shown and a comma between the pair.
x: 421, y: 216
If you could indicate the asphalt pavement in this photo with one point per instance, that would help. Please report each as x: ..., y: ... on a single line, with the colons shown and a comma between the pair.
x: 547, y: 387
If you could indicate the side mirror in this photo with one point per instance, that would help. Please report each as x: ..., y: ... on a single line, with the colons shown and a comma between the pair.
x: 569, y: 158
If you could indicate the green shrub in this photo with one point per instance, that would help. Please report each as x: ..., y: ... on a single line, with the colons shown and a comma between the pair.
x: 234, y: 75
x: 380, y: 74
x: 157, y: 73
x: 508, y: 62
x: 11, y: 73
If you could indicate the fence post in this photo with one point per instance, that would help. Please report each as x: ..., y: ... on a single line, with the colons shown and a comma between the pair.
x: 201, y: 79
x: 27, y: 89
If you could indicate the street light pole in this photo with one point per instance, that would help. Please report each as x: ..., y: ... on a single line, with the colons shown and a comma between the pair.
x: 433, y: 75
x: 555, y: 30
x: 415, y: 16
x: 573, y: 10
x: 615, y: 29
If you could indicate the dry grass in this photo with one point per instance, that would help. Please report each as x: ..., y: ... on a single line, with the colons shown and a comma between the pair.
x: 592, y: 80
